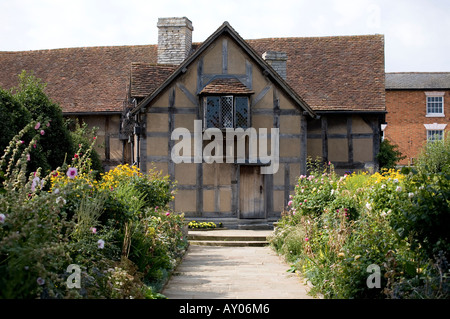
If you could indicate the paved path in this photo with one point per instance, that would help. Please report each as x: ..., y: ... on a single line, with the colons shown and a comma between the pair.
x: 212, y: 272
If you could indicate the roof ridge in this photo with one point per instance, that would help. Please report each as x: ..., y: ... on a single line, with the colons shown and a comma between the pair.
x: 417, y: 73
x: 81, y: 48
x: 320, y: 37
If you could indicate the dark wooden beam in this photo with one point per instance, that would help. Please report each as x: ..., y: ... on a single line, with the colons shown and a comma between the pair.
x: 324, y: 136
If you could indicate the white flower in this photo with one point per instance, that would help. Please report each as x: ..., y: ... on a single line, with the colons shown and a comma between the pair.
x: 410, y: 195
x: 56, y: 191
x: 395, y: 180
x: 368, y: 206
x: 40, y: 281
x: 383, y: 186
x: 101, y: 243
x: 2, y: 218
x: 398, y: 189
x: 60, y: 199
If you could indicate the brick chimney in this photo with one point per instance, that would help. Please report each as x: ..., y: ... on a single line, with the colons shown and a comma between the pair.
x: 174, y: 40
x: 277, y: 60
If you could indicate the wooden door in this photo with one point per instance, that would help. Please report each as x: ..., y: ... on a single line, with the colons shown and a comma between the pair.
x: 251, y: 192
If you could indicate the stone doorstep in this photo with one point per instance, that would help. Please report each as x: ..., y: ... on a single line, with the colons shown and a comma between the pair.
x: 229, y: 238
x: 233, y: 243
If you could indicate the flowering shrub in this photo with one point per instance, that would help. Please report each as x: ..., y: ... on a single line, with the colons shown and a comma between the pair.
x: 203, y: 225
x: 117, y: 229
x: 335, y: 227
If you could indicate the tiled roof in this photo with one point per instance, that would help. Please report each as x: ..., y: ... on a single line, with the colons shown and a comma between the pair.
x: 329, y: 73
x: 226, y: 86
x: 146, y: 77
x: 417, y: 80
x: 334, y: 73
x: 92, y: 79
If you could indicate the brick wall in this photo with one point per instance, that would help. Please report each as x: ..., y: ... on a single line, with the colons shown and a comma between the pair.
x: 406, y: 118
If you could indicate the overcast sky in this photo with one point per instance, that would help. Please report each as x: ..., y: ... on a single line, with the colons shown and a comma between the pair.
x: 416, y: 31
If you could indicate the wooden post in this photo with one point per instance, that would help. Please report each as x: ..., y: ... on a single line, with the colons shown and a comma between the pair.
x: 324, y: 124
x: 303, y: 144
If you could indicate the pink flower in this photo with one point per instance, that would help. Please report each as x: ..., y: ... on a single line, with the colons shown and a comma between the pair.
x: 22, y: 142
x: 34, y: 145
x: 290, y: 203
x: 2, y: 218
x: 94, y: 230
x: 28, y: 157
x: 72, y: 172
x: 306, y: 239
x: 48, y: 124
x: 167, y: 213
x: 42, y: 132
x: 36, y: 180
x: 37, y: 126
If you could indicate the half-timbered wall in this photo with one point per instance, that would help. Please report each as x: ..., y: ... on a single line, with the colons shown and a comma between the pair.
x: 108, y: 145
x: 350, y: 141
x: 213, y: 190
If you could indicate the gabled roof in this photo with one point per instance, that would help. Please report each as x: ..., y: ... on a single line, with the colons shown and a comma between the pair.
x: 417, y: 80
x: 226, y: 28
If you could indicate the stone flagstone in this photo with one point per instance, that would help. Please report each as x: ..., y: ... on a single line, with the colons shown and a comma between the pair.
x: 212, y: 272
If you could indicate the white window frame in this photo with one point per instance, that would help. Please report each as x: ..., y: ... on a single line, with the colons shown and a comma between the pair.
x: 435, y: 95
x: 435, y: 128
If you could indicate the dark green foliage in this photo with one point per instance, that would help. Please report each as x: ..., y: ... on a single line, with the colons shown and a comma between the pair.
x: 28, y: 101
x: 389, y: 155
x: 13, y: 117
x: 56, y: 143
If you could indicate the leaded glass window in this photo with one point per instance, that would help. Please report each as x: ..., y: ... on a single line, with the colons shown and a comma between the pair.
x: 226, y: 112
x: 242, y: 118
x: 212, y: 116
x: 226, y: 106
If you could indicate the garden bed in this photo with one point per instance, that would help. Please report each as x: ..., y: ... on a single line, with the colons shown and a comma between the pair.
x: 383, y: 235
x: 72, y: 233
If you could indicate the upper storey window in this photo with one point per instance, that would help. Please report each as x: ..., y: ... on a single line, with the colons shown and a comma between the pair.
x: 226, y: 104
x: 435, y: 104
x: 226, y: 112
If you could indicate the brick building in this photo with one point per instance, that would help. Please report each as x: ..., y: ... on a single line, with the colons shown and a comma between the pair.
x: 418, y: 106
